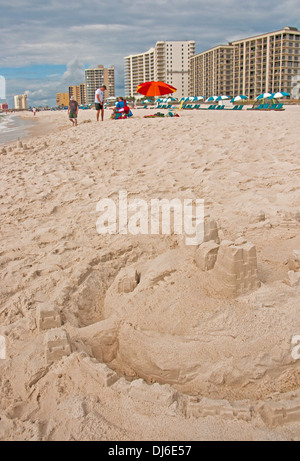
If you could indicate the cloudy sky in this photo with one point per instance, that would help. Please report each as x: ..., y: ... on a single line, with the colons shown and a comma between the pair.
x: 45, y: 46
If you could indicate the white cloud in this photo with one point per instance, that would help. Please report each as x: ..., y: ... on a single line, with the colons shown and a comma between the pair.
x: 101, y: 27
x: 74, y: 73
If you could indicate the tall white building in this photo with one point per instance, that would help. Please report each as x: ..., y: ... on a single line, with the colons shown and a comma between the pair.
x: 168, y: 61
x: 21, y: 102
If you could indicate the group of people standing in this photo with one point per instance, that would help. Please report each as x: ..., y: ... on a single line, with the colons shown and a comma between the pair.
x: 120, y: 107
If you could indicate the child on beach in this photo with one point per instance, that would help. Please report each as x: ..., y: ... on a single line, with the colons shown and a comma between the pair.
x: 73, y: 111
x: 121, y: 108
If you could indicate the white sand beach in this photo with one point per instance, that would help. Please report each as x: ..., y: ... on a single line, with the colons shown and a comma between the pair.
x: 155, y: 345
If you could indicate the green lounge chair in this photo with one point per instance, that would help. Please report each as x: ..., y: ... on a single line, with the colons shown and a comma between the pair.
x: 260, y: 106
x: 220, y: 107
x: 279, y: 107
x: 212, y: 106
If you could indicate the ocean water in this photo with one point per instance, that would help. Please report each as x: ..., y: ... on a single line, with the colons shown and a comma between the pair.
x: 13, y: 127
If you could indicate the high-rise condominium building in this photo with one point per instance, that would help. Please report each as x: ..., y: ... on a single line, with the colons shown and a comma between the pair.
x: 79, y: 92
x: 94, y: 78
x: 211, y: 72
x: 250, y: 66
x: 296, y: 86
x: 62, y: 99
x: 168, y: 61
x: 21, y: 102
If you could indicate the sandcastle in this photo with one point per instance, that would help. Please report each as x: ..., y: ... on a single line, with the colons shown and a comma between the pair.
x: 234, y: 264
x: 206, y: 255
x: 57, y: 345
x: 236, y: 267
x: 211, y: 230
x: 124, y: 353
x: 128, y: 281
x: 294, y: 266
x: 48, y: 317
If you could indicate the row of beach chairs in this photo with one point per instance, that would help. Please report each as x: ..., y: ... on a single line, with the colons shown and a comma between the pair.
x: 221, y: 107
x: 164, y: 106
x: 268, y: 107
x: 211, y: 107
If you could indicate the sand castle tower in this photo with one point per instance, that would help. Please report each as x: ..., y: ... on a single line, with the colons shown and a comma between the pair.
x: 236, y: 267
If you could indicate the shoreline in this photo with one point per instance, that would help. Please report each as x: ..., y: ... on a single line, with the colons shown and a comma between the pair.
x: 40, y: 127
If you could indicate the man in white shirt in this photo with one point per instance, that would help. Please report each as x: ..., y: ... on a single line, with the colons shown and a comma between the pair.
x: 99, y: 101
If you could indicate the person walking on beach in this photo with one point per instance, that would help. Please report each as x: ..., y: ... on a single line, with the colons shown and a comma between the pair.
x: 73, y: 110
x: 34, y: 111
x: 99, y: 102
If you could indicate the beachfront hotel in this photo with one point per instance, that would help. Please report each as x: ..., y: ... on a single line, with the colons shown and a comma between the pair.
x: 21, y: 102
x: 211, y: 72
x: 79, y: 92
x: 95, y: 78
x: 62, y: 99
x: 251, y: 66
x: 168, y: 61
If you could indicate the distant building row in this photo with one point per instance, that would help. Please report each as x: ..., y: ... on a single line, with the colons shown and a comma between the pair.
x: 85, y: 92
x: 265, y: 63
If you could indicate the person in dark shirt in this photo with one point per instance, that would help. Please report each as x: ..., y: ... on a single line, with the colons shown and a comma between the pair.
x: 73, y: 110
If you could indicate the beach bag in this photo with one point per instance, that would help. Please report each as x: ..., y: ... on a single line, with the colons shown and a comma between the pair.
x: 126, y: 108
